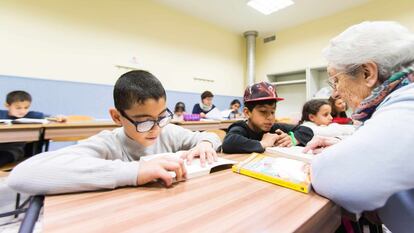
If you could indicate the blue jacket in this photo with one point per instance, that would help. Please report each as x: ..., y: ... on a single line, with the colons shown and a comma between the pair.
x: 4, y: 114
x: 197, y: 109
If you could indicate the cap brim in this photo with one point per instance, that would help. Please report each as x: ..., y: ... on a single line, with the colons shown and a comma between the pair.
x: 265, y: 98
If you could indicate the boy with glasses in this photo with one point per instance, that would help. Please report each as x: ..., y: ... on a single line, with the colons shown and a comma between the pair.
x: 111, y: 159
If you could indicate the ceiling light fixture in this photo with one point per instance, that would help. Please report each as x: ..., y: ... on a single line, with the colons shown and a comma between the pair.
x: 267, y: 7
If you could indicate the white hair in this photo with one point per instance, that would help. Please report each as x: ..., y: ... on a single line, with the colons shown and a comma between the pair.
x: 388, y: 44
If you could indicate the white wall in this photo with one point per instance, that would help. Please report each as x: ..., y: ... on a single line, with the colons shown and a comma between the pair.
x: 300, y: 47
x: 84, y: 40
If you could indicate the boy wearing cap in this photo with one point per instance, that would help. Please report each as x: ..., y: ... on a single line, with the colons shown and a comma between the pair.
x: 259, y: 131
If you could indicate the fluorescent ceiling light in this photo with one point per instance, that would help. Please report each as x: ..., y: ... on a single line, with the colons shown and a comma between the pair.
x: 267, y: 7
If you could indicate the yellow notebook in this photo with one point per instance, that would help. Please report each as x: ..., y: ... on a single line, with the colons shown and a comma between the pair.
x: 289, y: 173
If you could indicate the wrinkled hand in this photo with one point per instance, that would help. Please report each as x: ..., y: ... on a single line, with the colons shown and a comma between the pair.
x: 318, y: 143
x: 283, y: 139
x: 158, y: 169
x: 269, y: 139
x: 204, y: 150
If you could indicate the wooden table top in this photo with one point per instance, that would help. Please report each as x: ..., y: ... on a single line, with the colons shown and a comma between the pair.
x: 220, y: 202
x: 80, y: 124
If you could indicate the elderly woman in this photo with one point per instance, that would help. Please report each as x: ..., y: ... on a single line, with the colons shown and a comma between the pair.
x: 371, y: 67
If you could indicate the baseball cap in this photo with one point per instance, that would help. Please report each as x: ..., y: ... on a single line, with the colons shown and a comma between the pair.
x: 260, y: 91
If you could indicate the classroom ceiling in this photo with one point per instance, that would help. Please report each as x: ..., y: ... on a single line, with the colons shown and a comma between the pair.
x: 236, y: 16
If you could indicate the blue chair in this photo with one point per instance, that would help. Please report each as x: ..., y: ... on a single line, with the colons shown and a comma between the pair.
x: 398, y: 212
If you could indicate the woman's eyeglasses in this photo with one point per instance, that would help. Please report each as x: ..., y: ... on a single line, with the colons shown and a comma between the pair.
x: 333, y: 80
x: 145, y: 126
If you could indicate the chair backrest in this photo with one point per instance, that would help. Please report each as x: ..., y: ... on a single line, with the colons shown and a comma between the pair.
x: 220, y: 133
x: 398, y: 212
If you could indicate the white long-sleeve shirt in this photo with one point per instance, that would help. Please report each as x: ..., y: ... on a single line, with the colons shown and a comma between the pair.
x: 331, y: 130
x: 107, y: 160
x: 362, y: 171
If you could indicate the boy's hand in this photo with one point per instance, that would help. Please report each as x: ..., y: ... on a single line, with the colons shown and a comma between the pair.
x: 204, y: 150
x: 318, y: 143
x: 283, y: 139
x: 268, y: 139
x: 202, y: 115
x: 61, y: 118
x: 158, y: 169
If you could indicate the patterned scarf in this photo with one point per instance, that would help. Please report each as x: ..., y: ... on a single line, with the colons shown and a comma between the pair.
x: 368, y: 106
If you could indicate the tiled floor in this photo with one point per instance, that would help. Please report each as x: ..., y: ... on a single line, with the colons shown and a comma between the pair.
x: 7, y: 202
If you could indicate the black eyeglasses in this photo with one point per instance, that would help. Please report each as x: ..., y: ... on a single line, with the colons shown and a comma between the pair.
x: 145, y: 126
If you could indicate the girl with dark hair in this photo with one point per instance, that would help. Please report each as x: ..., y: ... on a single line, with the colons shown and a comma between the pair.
x: 316, y: 114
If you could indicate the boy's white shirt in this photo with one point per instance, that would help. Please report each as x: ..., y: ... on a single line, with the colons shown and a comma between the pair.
x: 107, y: 160
x: 331, y: 130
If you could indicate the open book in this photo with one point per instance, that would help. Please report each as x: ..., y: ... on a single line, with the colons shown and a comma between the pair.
x: 294, y: 152
x: 29, y: 121
x: 276, y: 169
x: 195, y: 169
x: 5, y: 121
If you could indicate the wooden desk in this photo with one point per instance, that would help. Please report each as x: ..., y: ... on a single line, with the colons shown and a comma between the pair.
x: 205, y: 125
x: 226, y: 123
x: 55, y: 131
x: 20, y: 133
x: 220, y: 202
x: 199, y: 125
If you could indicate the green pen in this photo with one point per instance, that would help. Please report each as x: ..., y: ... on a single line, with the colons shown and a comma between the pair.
x: 292, y: 137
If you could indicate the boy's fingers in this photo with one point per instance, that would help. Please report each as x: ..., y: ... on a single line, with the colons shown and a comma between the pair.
x: 202, y: 157
x: 165, y: 177
x: 177, y: 167
x: 184, y: 154
x: 191, y: 154
x: 209, y: 156
x: 215, y: 156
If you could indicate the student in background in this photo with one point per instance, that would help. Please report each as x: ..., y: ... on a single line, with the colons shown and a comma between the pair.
x: 111, y: 159
x: 206, y: 104
x: 259, y: 130
x: 338, y: 113
x: 233, y: 112
x: 18, y: 106
x: 179, y: 111
x: 316, y: 114
x: 235, y: 106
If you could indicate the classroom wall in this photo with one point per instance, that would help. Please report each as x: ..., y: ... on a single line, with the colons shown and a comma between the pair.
x: 300, y: 47
x: 77, y: 98
x: 83, y: 41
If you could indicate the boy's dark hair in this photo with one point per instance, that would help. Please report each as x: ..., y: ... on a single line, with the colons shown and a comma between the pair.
x: 253, y: 104
x: 235, y: 101
x: 311, y: 107
x: 136, y: 86
x: 179, y: 107
x: 18, y: 96
x: 206, y: 94
x: 334, y: 112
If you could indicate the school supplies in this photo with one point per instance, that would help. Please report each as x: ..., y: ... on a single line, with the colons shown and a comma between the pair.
x: 289, y: 173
